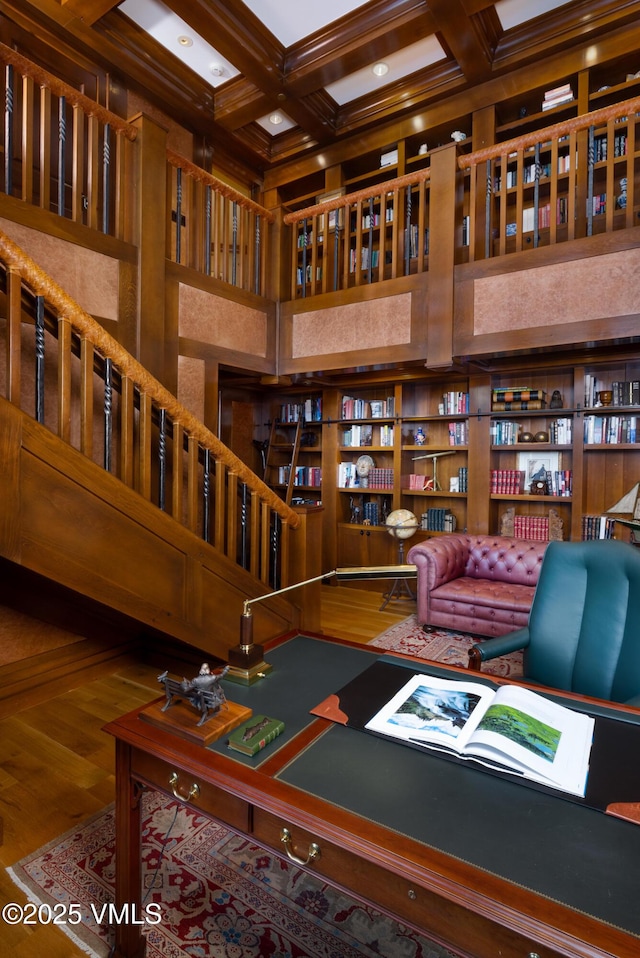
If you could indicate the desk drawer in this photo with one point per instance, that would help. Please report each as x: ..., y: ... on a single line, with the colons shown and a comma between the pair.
x: 436, y: 915
x: 209, y: 799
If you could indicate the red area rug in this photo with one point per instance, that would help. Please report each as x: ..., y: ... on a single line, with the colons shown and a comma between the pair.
x: 217, y: 894
x: 451, y: 648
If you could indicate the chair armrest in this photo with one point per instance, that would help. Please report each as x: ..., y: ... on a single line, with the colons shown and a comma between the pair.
x: 500, y: 645
x: 634, y: 702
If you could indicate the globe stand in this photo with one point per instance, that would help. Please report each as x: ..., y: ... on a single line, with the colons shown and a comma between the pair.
x: 400, y: 590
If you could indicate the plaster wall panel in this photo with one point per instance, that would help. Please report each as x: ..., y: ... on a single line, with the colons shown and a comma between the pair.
x: 220, y: 322
x: 191, y: 373
x: 363, y: 325
x: 573, y: 292
x: 89, y: 278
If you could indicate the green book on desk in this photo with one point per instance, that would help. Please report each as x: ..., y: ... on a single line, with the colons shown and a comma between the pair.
x: 253, y: 735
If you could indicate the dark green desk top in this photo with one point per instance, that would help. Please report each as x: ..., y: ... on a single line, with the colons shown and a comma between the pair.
x: 562, y: 850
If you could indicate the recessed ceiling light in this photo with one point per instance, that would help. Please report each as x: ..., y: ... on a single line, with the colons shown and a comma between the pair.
x: 185, y: 41
x: 380, y: 69
x: 216, y: 69
x: 276, y: 119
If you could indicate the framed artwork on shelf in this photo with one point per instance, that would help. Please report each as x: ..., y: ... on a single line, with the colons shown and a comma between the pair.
x: 538, y: 467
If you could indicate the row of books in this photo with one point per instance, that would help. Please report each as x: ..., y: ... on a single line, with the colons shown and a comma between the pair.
x: 505, y: 432
x: 368, y: 258
x: 380, y: 477
x: 358, y: 435
x: 463, y: 479
x: 370, y: 220
x: 438, y: 520
x: 560, y: 482
x: 597, y: 527
x: 531, y: 527
x: 459, y: 433
x: 308, y: 476
x: 368, y: 408
x: 507, y: 482
x: 310, y: 410
x: 306, y: 275
x: 601, y: 146
x: 416, y: 482
x: 454, y: 403
x: 414, y: 241
x: 610, y: 429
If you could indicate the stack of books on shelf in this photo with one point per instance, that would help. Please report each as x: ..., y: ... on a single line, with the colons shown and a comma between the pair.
x: 386, y: 435
x: 510, y: 398
x: 463, y: 476
x: 507, y: 482
x: 358, y: 436
x: 557, y: 96
x: 601, y: 146
x: 438, y: 520
x: 597, y: 527
x: 531, y: 527
x: 380, y: 477
x: 416, y: 483
x: 454, y: 403
x: 610, y: 430
x: 458, y: 433
x: 347, y: 476
x: 598, y: 204
x: 368, y: 408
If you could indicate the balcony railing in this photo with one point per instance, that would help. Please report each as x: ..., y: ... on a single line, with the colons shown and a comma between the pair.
x: 566, y: 181
x: 62, y: 151
x: 215, y: 229
x: 63, y: 368
x: 377, y: 233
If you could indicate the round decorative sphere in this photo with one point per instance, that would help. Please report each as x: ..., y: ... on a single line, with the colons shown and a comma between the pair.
x: 401, y: 524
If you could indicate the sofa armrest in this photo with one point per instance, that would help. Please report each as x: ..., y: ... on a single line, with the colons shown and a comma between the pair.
x: 439, y: 560
x: 500, y: 645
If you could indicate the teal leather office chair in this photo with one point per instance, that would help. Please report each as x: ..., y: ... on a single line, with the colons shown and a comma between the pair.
x: 584, y: 626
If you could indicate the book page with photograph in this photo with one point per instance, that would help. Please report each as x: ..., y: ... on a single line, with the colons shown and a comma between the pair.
x: 511, y: 729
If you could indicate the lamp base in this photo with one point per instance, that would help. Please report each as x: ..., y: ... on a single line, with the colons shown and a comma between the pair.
x: 247, y: 665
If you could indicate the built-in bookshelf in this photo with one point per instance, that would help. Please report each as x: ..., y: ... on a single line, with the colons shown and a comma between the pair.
x: 460, y: 469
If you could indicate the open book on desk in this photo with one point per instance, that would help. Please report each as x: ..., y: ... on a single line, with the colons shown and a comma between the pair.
x: 510, y: 729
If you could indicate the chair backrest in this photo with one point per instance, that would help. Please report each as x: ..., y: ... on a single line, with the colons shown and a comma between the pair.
x: 584, y: 624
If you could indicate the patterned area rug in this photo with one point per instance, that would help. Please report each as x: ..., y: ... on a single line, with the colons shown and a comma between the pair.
x: 451, y: 648
x: 217, y: 895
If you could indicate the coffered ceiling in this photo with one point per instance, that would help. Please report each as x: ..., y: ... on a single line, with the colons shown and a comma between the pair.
x: 270, y: 81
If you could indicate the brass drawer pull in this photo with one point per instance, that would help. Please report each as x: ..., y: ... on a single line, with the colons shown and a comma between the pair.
x: 194, y: 791
x: 314, y: 849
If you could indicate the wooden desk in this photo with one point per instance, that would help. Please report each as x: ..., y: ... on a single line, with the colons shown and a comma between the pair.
x: 485, y: 866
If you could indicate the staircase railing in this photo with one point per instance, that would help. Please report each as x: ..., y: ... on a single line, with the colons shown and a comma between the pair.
x: 80, y: 383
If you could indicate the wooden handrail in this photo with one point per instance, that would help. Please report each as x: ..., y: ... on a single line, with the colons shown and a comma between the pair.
x: 42, y: 284
x: 61, y: 89
x: 554, y: 132
x: 219, y: 186
x: 348, y: 199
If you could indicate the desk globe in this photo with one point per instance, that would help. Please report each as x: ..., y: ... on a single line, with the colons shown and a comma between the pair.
x: 401, y: 524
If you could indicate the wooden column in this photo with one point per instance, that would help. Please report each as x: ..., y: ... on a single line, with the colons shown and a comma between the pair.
x: 444, y: 206
x: 151, y: 216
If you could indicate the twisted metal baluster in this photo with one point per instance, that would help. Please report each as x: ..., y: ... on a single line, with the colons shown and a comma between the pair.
x: 108, y: 412
x: 487, y: 211
x: 8, y: 130
x: 590, y: 162
x: 207, y: 230
x: 234, y: 244
x: 244, y: 527
x: 206, y: 496
x: 178, y: 213
x: 407, y: 235
x: 62, y: 151
x: 536, y: 197
x: 257, y: 247
x: 275, y: 549
x: 106, y: 178
x: 39, y: 340
x: 162, y: 459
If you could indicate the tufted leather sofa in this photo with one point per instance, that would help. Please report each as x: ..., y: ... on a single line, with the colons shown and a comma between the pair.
x: 479, y: 584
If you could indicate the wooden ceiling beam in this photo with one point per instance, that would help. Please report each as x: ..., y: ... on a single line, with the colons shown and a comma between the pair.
x: 89, y: 10
x: 464, y: 37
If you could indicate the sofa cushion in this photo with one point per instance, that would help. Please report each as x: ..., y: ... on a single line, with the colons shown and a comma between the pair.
x: 484, y: 592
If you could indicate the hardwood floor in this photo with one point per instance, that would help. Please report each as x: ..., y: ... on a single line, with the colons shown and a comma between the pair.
x: 57, y: 767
